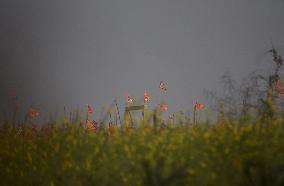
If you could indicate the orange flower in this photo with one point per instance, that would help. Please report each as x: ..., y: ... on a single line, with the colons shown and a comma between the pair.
x: 278, y: 87
x: 33, y: 113
x: 146, y: 96
x: 162, y: 86
x: 163, y: 107
x: 129, y: 100
x: 89, y: 109
x: 34, y: 126
x: 198, y: 105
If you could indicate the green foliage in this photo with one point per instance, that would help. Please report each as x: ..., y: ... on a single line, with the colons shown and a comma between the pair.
x: 230, y: 154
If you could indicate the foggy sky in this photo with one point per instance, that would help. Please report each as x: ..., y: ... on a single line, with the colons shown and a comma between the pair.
x: 57, y: 53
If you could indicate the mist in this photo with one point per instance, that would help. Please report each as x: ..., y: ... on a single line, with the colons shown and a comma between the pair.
x: 56, y: 54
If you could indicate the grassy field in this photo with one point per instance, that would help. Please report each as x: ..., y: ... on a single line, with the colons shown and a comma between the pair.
x: 205, y: 154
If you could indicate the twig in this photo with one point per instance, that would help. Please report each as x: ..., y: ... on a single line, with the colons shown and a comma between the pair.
x: 117, y: 111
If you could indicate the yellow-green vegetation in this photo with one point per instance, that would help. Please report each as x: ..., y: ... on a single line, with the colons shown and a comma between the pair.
x: 205, y: 154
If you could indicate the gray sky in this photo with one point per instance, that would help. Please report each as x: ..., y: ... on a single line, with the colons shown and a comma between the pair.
x: 67, y: 52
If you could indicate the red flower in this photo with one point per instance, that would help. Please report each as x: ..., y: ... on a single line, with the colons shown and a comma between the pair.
x: 163, y: 107
x: 146, y: 96
x: 162, y: 86
x: 198, y: 105
x: 89, y: 109
x: 33, y: 113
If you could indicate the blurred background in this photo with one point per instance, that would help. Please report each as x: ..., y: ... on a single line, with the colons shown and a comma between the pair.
x: 59, y: 53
